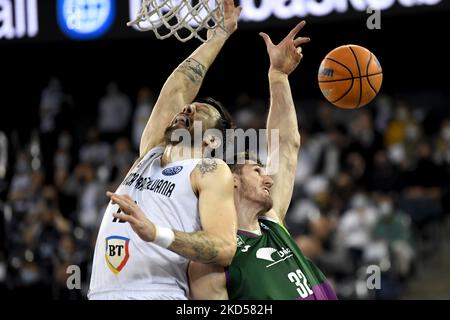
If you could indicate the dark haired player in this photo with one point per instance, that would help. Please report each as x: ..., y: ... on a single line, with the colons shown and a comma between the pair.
x: 170, y: 193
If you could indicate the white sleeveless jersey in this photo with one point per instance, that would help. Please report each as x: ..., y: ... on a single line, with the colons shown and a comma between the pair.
x: 126, y: 267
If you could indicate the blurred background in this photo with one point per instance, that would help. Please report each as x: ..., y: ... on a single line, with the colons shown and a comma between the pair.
x: 372, y: 185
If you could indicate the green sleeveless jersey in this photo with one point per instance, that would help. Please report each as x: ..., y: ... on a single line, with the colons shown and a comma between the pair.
x: 272, y: 267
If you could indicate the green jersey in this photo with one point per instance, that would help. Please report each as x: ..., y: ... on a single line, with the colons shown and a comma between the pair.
x: 272, y: 267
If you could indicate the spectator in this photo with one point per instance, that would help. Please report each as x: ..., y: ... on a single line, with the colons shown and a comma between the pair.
x: 91, y: 195
x: 333, y: 151
x: 394, y: 230
x: 356, y: 166
x: 145, y: 102
x: 425, y: 175
x: 50, y: 107
x: 343, y: 190
x: 441, y: 154
x: 114, y: 113
x: 384, y: 112
x: 356, y: 226
x: 325, y: 120
x: 94, y: 151
x: 441, y: 158
x: 121, y: 158
x: 20, y: 189
x: 366, y: 139
x: 384, y: 175
x: 395, y: 131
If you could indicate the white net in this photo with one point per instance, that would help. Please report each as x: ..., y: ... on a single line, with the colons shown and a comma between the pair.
x: 184, y: 19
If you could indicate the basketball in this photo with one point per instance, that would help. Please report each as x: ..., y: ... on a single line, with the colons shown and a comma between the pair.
x: 350, y: 76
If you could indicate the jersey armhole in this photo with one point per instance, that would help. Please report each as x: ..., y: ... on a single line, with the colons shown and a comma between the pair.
x: 276, y: 222
x: 155, y: 150
x: 158, y: 149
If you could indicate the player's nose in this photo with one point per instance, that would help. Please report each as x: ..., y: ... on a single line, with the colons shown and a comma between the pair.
x: 189, y: 109
x: 268, y: 181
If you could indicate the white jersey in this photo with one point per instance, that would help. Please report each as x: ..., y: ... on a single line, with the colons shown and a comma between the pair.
x: 126, y: 267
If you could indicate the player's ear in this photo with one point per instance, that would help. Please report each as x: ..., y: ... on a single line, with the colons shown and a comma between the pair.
x: 236, y: 181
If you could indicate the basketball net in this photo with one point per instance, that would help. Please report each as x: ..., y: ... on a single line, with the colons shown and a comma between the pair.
x: 183, y: 19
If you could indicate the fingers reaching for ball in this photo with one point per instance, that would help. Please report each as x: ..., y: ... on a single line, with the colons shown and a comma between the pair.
x: 286, y: 55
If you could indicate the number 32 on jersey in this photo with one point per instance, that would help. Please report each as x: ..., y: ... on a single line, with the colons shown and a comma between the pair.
x: 298, y: 278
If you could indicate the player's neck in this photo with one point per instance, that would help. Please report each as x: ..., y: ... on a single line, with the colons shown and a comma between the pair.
x: 247, y: 215
x: 179, y: 152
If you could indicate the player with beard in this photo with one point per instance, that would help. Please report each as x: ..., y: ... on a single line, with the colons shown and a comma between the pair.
x: 268, y: 264
x: 169, y: 198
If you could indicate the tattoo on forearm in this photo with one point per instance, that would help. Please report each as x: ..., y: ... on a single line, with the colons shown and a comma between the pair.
x: 207, y: 165
x: 195, y: 246
x: 194, y: 70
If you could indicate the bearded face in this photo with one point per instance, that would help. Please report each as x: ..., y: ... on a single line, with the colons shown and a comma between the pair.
x: 184, y: 122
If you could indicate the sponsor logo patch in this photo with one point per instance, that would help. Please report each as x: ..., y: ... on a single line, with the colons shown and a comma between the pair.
x: 116, y: 253
x: 172, y: 171
x: 267, y: 254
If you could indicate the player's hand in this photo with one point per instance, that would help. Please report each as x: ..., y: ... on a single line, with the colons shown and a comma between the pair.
x: 286, y: 56
x: 133, y: 214
x: 231, y: 17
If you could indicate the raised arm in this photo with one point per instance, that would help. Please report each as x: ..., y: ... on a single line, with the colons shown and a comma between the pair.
x: 216, y: 242
x: 284, y: 59
x: 183, y: 84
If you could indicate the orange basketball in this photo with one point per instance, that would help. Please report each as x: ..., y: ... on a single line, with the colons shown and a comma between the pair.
x: 350, y: 76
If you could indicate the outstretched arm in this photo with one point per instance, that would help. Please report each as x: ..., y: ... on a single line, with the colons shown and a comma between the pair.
x: 284, y: 59
x: 216, y: 242
x: 183, y: 84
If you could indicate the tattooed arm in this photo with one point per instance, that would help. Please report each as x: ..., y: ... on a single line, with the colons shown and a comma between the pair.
x: 216, y: 242
x: 183, y: 84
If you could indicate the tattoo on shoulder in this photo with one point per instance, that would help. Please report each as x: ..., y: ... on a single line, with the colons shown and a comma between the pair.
x: 193, y: 69
x: 207, y: 165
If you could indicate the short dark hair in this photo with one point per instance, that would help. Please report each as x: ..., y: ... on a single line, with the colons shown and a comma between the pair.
x: 225, y: 122
x: 237, y: 163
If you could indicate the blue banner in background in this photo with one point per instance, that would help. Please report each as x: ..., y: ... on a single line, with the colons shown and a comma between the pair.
x: 87, y: 19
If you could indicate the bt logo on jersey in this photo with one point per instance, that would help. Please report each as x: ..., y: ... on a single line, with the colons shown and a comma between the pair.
x: 116, y: 252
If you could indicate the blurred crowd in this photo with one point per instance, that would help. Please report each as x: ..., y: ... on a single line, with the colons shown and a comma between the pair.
x: 371, y: 187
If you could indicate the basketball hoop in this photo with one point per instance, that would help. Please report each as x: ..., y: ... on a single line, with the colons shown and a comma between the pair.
x: 183, y: 19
